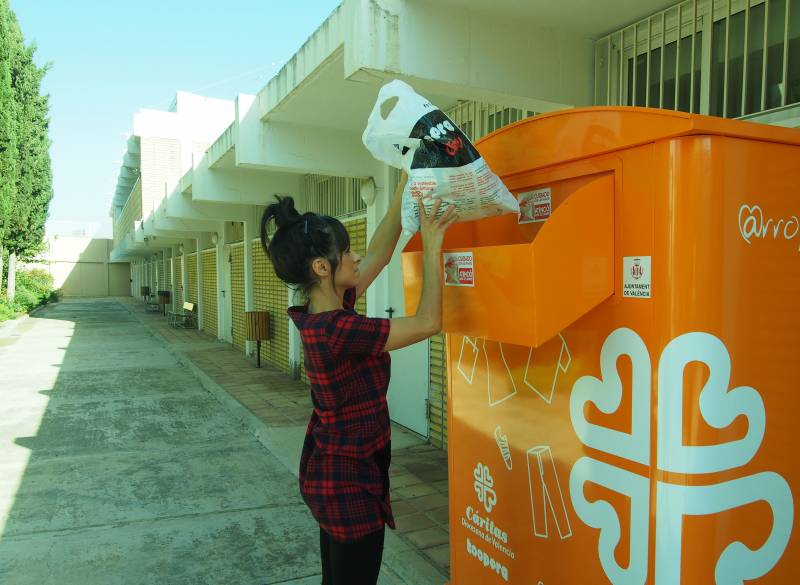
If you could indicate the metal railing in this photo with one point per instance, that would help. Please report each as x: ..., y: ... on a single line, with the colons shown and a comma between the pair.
x: 333, y: 196
x: 131, y: 211
x: 477, y: 119
x: 721, y: 57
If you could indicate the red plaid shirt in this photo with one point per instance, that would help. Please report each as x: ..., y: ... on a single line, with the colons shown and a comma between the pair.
x: 344, y: 468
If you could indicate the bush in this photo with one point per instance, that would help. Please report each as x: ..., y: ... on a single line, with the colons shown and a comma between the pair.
x: 34, y: 287
x: 36, y: 280
x: 7, y: 310
x: 26, y: 299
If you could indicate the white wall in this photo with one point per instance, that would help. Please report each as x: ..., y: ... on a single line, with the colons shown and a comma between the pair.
x: 80, y: 267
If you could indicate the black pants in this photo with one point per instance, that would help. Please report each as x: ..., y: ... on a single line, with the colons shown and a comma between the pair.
x: 351, y: 563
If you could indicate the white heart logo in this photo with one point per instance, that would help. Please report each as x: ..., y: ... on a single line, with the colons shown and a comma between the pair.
x: 718, y: 406
x: 606, y: 394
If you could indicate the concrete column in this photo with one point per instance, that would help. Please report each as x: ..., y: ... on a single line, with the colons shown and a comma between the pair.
x: 250, y: 232
x: 134, y: 268
x: 187, y: 248
x: 173, y: 256
x: 200, y: 287
x: 222, y: 298
x: 161, y: 278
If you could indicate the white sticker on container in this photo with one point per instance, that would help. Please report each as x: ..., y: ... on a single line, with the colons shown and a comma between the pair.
x: 459, y: 269
x: 636, y: 275
x: 535, y: 205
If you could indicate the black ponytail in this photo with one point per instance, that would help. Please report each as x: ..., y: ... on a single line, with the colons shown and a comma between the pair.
x: 298, y: 240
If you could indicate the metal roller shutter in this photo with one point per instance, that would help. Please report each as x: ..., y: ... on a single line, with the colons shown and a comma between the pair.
x: 167, y: 274
x: 270, y: 295
x: 209, y: 308
x: 191, y: 270
x: 177, y: 298
x: 237, y: 295
x: 160, y: 269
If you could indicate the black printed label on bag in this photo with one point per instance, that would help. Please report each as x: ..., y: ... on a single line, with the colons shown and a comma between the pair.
x: 443, y: 144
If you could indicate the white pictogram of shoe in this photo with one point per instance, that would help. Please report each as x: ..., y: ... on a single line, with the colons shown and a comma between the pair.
x: 502, y: 443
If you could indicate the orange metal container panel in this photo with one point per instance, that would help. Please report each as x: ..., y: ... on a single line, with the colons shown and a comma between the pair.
x: 565, y: 271
x: 580, y: 133
x: 648, y: 439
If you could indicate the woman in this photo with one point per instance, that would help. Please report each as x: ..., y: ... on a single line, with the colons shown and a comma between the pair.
x: 344, y: 467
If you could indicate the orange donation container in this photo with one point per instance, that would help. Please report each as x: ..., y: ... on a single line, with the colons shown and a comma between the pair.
x: 622, y: 357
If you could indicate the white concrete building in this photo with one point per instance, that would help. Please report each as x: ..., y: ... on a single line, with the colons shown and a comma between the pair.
x: 194, y: 180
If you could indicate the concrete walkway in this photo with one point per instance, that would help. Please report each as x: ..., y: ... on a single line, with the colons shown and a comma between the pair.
x: 123, y: 461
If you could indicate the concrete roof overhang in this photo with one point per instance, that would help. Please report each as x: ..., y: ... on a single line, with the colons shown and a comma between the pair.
x: 144, y: 237
x: 220, y: 191
x: 160, y: 219
x: 589, y: 18
x: 327, y: 99
x: 135, y: 245
x: 129, y: 172
x: 437, y: 46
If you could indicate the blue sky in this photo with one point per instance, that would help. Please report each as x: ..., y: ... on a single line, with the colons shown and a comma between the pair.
x: 110, y: 58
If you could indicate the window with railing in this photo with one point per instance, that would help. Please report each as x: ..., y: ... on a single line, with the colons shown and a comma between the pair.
x: 726, y: 58
x: 477, y: 119
x: 334, y: 196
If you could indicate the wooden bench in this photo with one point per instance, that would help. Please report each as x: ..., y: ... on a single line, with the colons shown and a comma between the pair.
x: 186, y: 318
x: 151, y: 303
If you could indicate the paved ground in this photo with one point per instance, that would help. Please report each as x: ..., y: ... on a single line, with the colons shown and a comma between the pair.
x: 132, y: 453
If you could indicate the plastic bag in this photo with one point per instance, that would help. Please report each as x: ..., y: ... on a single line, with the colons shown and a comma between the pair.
x: 439, y: 159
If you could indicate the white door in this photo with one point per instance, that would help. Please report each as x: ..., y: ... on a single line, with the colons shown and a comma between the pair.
x: 408, y: 389
x: 227, y: 325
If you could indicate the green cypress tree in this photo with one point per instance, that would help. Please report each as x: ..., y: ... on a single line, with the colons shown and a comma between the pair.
x: 34, y: 178
x: 8, y: 142
x: 24, y: 234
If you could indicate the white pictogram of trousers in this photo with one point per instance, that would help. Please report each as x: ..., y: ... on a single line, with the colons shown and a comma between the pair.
x: 546, y: 497
x: 719, y: 406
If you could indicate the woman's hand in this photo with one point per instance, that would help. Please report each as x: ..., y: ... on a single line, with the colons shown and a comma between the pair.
x: 428, y: 319
x: 433, y: 228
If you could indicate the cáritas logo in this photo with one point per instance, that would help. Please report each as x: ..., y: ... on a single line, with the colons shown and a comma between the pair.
x: 719, y: 406
x: 484, y: 486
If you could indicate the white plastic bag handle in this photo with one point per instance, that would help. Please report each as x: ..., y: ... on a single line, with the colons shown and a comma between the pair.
x: 386, y: 137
